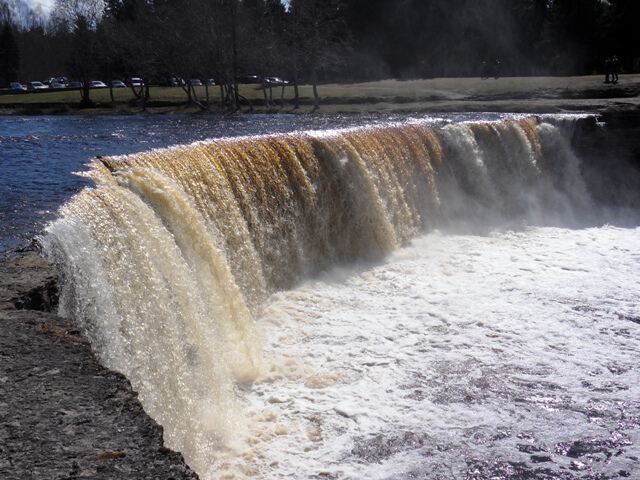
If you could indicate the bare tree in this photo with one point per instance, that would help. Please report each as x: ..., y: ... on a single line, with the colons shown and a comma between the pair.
x: 316, y: 38
x: 71, y: 11
x: 81, y: 17
x: 9, y: 50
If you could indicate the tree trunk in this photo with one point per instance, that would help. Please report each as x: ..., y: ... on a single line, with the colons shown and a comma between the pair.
x: 136, y: 93
x: 144, y: 95
x: 222, y: 96
x: 187, y: 90
x: 236, y: 95
x: 113, y: 100
x: 85, y: 94
x: 296, y: 93
x: 264, y: 92
x: 316, y: 97
x: 282, y: 96
x: 193, y: 96
x: 228, y: 95
x: 234, y: 43
x: 248, y: 102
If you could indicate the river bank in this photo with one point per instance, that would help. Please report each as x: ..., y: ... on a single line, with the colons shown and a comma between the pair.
x: 62, y: 414
x: 514, y: 94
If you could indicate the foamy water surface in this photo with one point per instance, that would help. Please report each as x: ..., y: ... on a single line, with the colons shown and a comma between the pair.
x: 458, y: 357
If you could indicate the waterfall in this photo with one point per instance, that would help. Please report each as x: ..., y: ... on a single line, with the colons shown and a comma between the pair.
x: 166, y: 261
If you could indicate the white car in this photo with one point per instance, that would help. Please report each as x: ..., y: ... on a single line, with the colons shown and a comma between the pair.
x: 117, y: 84
x: 136, y: 82
x: 17, y: 87
x: 275, y: 81
x: 97, y: 84
x: 36, y: 86
x: 57, y: 85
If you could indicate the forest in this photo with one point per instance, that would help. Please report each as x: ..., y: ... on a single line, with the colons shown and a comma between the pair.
x: 315, y: 41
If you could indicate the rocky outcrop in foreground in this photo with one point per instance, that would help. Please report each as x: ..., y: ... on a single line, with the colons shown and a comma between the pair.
x: 63, y: 415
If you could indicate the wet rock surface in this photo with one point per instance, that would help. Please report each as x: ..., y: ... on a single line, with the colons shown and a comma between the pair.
x: 27, y: 281
x: 610, y: 155
x: 63, y: 415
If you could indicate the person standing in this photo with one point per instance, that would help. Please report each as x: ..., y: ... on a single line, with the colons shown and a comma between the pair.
x: 615, y: 68
x: 607, y: 70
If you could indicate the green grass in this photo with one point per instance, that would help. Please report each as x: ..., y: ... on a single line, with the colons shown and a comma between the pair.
x: 388, y: 95
x: 164, y: 94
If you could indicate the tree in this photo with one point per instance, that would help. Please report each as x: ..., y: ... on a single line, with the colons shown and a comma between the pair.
x: 575, y: 35
x: 9, y: 54
x: 622, y: 33
x: 81, y: 18
x: 312, y: 40
x: 318, y: 38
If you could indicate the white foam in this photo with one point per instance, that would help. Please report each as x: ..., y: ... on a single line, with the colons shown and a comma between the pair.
x: 455, y: 340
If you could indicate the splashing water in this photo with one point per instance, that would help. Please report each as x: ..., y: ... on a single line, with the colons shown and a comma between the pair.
x: 168, y: 260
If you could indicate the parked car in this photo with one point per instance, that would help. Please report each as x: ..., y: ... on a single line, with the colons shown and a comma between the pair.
x: 250, y: 79
x: 51, y: 80
x: 117, y: 84
x: 97, y: 84
x: 17, y: 87
x: 36, y: 86
x: 211, y: 81
x: 56, y: 85
x: 136, y: 82
x: 75, y: 84
x: 275, y: 81
x: 173, y: 81
x: 195, y: 82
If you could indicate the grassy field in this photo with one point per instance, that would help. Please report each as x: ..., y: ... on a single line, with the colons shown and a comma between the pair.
x: 446, y: 94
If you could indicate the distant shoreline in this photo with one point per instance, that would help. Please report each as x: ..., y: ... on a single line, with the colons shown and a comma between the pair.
x: 450, y: 95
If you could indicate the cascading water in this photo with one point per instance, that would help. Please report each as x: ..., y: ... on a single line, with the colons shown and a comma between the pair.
x: 166, y: 262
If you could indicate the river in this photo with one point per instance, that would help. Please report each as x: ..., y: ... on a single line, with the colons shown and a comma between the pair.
x: 420, y: 298
x: 38, y: 154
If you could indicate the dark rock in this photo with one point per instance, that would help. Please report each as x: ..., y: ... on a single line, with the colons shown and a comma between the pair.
x: 580, y: 448
x: 28, y: 282
x: 64, y: 415
x: 540, y: 458
x: 526, y: 448
x: 616, y: 141
x: 111, y: 455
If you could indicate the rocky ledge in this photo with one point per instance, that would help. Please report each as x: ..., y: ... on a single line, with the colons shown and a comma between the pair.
x: 62, y: 414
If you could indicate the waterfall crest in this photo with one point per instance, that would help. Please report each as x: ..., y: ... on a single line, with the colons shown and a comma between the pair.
x: 165, y: 262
